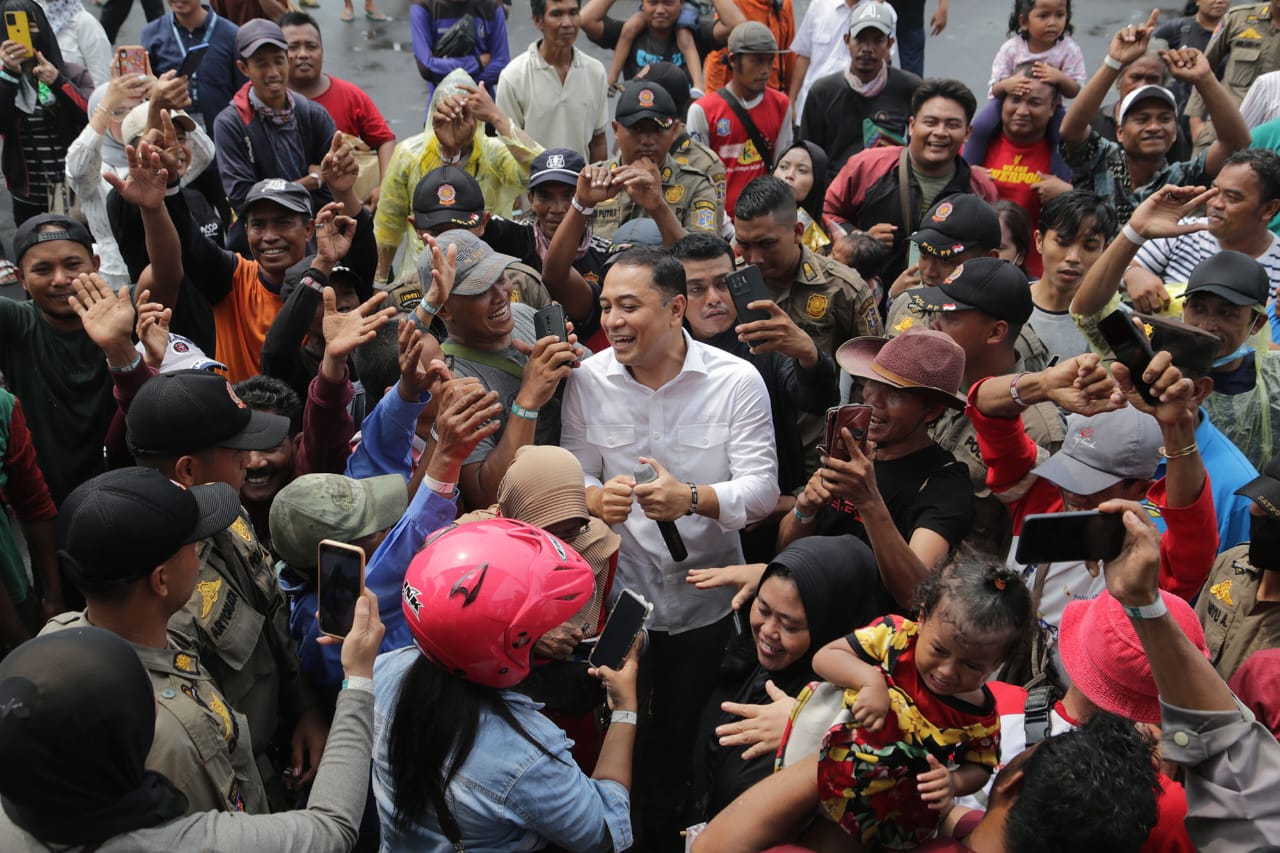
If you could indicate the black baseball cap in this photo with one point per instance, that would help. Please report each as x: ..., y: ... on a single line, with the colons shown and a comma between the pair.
x: 1234, y: 276
x: 670, y: 77
x: 959, y: 223
x: 29, y: 233
x: 1264, y: 490
x: 192, y: 410
x: 989, y: 285
x: 118, y: 526
x: 447, y: 196
x: 561, y: 165
x: 642, y: 100
x: 256, y: 34
x: 287, y: 194
x: 339, y: 275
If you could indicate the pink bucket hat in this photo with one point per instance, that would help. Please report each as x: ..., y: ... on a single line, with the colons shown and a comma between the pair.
x: 918, y: 359
x: 1104, y: 657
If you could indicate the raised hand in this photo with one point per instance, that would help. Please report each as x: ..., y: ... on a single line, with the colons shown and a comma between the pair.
x: 595, y: 184
x: 170, y: 92
x: 338, y: 168
x: 1161, y: 213
x: 107, y: 317
x: 334, y: 233
x: 344, y: 333
x: 147, y: 180
x: 1130, y: 42
x: 153, y: 329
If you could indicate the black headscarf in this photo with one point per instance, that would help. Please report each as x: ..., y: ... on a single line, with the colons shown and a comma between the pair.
x: 77, y: 717
x: 812, y: 203
x: 839, y: 588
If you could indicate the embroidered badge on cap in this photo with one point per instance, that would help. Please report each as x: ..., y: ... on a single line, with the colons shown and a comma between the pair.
x: 231, y: 392
x: 555, y: 161
x: 446, y: 195
x: 274, y: 185
x: 943, y: 211
x: 645, y: 97
x: 955, y: 274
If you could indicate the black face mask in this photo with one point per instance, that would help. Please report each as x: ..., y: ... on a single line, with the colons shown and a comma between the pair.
x: 1264, y: 542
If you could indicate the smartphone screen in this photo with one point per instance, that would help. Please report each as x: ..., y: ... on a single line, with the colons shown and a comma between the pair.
x: 625, y: 621
x: 341, y: 580
x: 1060, y: 537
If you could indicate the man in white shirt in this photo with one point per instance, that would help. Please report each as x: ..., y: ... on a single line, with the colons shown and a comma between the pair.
x: 701, y: 418
x: 556, y: 93
x: 819, y: 44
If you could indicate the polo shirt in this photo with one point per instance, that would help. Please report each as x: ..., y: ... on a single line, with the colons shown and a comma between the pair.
x: 557, y: 114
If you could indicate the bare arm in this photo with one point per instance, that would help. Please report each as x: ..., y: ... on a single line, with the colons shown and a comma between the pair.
x: 1126, y: 46
x: 598, y: 147
x: 838, y: 663
x: 969, y: 778
x: 593, y: 15
x: 728, y: 16
x: 798, y: 71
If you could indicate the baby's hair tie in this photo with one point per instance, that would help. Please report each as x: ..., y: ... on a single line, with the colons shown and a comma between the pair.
x: 1000, y: 583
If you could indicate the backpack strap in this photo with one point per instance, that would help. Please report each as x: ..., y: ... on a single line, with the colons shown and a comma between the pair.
x: 764, y: 147
x: 488, y: 359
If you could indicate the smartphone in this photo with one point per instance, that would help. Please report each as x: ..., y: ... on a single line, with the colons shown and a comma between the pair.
x: 132, y: 59
x: 339, y: 584
x: 550, y: 321
x: 18, y: 29
x: 913, y: 253
x: 1131, y: 347
x: 746, y: 286
x: 1060, y: 537
x: 855, y: 416
x: 1193, y: 349
x: 191, y: 61
x: 622, y: 627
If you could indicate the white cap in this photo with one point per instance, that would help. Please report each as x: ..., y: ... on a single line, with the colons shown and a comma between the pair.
x: 1144, y: 93
x: 183, y: 354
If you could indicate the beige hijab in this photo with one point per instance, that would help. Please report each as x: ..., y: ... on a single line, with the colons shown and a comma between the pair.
x: 544, y: 486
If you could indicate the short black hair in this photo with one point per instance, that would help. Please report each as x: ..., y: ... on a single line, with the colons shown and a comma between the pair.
x: 539, y: 8
x: 980, y: 596
x: 1089, y: 789
x: 766, y: 195
x: 666, y: 271
x: 1022, y: 8
x: 1265, y: 164
x: 1065, y: 214
x: 377, y: 363
x: 866, y: 254
x: 297, y: 18
x: 941, y: 87
x: 269, y: 394
x: 701, y: 246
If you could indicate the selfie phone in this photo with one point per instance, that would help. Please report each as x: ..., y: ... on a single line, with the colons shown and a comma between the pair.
x: 550, y: 321
x: 746, y: 286
x: 628, y: 616
x: 339, y: 585
x: 855, y: 416
x: 1059, y: 537
x: 18, y: 29
x: 132, y: 59
x: 1131, y: 347
x: 191, y: 61
x: 913, y: 253
x: 1190, y: 347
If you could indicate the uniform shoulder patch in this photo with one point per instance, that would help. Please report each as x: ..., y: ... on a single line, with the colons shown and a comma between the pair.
x: 1222, y: 592
x: 208, y: 595
x: 241, y: 528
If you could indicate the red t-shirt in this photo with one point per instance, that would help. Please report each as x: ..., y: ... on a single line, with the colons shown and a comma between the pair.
x: 355, y: 113
x: 1015, y: 170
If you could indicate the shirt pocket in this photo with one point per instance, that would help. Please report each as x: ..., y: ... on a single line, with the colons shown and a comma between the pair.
x: 1242, y: 69
x: 703, y: 451
x: 611, y: 435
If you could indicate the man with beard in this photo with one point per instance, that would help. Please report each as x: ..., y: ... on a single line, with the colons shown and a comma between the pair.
x: 1239, y: 605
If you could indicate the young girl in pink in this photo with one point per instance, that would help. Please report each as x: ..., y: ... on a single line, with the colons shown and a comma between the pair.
x: 1041, y: 33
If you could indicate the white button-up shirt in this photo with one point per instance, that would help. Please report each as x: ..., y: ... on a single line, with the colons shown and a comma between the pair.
x: 820, y: 37
x: 710, y: 425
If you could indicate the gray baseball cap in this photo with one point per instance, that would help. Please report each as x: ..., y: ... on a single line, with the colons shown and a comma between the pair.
x: 477, y: 265
x: 1102, y: 450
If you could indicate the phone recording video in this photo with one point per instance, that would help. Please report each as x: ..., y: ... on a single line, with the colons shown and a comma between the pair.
x: 340, y: 583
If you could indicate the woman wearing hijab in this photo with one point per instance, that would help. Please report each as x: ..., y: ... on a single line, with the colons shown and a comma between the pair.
x: 544, y: 487
x: 77, y: 717
x: 804, y: 167
x: 81, y: 37
x: 43, y: 107
x: 811, y: 594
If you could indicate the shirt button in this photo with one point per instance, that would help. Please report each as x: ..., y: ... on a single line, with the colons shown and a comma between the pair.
x: 1181, y: 738
x: 168, y: 693
x: 657, y: 435
x: 611, y: 441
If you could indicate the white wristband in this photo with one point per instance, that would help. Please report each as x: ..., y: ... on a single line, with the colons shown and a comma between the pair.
x: 580, y: 207
x: 627, y: 717
x: 1154, y: 610
x: 443, y: 489
x: 1132, y: 235
x: 355, y: 682
x: 1112, y: 62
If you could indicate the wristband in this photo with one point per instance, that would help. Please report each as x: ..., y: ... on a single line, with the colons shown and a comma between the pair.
x: 693, y: 505
x: 1131, y: 234
x: 356, y: 682
x: 521, y: 412
x: 315, y: 279
x: 1013, y: 392
x: 580, y: 207
x: 1113, y: 63
x: 319, y: 180
x: 801, y: 517
x: 443, y: 489
x: 1154, y: 610
x: 132, y: 366
x: 628, y: 717
x: 6, y: 76
x: 428, y: 308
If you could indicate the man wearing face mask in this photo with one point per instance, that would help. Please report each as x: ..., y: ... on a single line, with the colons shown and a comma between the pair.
x: 1239, y: 605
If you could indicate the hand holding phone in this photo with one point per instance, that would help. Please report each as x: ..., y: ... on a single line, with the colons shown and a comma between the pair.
x: 1131, y: 346
x: 628, y: 617
x: 857, y: 418
x: 746, y: 286
x: 1061, y: 537
x: 339, y: 585
x: 550, y: 321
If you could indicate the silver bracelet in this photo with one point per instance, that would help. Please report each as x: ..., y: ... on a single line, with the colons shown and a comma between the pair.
x: 628, y: 717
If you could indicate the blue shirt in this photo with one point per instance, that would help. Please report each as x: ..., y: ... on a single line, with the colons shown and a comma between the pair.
x: 217, y: 79
x: 386, y: 437
x: 508, y: 794
x: 1228, y: 470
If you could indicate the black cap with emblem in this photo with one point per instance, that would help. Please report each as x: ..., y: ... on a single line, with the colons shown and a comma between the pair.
x: 184, y: 412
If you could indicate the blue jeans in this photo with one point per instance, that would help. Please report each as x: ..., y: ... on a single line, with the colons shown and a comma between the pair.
x: 911, y: 50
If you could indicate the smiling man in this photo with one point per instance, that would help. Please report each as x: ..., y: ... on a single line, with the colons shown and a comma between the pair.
x: 701, y: 417
x: 169, y: 38
x: 865, y: 195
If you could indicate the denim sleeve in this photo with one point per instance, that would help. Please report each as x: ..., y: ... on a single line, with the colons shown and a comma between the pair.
x: 386, y: 437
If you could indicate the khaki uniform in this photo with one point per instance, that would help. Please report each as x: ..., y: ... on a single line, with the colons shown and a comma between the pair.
x: 689, y: 193
x: 1250, y: 44
x: 689, y: 152
x: 201, y: 742
x: 529, y: 289
x: 1236, y: 623
x: 239, y: 620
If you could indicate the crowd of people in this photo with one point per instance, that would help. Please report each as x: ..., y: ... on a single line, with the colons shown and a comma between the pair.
x: 507, y: 365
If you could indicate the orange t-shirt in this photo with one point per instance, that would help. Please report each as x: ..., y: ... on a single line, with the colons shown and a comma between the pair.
x: 781, y: 22
x: 242, y: 319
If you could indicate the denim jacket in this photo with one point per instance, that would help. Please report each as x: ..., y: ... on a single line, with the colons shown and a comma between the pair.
x: 508, y: 795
